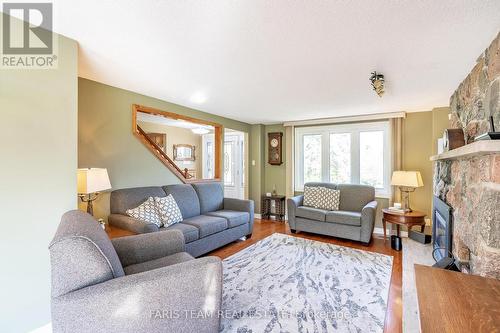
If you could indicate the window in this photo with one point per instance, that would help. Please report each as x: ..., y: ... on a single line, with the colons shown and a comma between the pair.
x: 346, y: 153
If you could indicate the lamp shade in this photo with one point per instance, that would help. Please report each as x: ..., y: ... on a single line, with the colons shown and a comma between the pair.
x: 407, y: 178
x: 93, y: 180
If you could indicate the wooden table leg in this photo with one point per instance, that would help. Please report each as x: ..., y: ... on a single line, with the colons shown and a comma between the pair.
x: 383, y: 223
x: 397, y: 230
x: 422, y: 228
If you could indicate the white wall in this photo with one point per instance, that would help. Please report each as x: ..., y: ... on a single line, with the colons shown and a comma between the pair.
x: 38, y: 161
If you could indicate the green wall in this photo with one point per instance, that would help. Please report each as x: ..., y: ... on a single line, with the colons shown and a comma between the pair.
x: 421, y: 130
x: 38, y: 160
x: 105, y: 138
x: 275, y: 174
x: 257, y: 164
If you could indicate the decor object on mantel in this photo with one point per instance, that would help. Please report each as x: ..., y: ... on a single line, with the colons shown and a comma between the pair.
x: 90, y: 183
x: 489, y: 135
x: 407, y: 181
x: 378, y: 82
x: 453, y: 138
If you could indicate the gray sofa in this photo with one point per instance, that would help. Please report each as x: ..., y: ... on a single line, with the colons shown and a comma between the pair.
x: 209, y: 220
x: 141, y: 283
x: 354, y: 220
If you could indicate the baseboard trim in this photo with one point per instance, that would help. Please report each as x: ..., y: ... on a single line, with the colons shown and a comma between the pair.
x: 257, y: 216
x: 380, y: 231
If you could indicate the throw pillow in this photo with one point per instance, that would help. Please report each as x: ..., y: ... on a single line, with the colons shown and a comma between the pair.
x: 146, y: 212
x: 169, y: 210
x: 312, y: 196
x: 329, y: 199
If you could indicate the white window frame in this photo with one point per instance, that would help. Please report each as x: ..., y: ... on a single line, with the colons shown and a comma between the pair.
x: 354, y: 129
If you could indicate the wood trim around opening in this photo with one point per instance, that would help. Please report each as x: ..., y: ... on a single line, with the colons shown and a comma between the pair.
x: 218, y: 130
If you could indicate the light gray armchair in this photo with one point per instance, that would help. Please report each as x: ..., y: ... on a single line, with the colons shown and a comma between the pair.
x: 354, y: 220
x: 143, y: 283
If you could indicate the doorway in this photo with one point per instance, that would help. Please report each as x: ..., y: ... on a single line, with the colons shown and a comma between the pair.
x: 234, y: 172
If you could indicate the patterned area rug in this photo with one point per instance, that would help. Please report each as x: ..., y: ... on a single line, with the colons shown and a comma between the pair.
x: 290, y: 284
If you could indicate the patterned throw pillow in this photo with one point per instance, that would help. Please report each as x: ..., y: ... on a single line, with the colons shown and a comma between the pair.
x: 169, y: 210
x: 146, y: 212
x: 329, y: 199
x: 311, y: 196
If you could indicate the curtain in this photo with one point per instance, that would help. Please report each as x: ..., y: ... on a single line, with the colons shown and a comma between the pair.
x: 397, y: 153
x: 289, y: 161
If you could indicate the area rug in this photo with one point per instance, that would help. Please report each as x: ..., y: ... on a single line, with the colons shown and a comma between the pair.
x: 291, y: 284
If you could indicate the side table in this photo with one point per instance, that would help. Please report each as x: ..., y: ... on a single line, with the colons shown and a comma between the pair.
x: 279, y: 203
x: 406, y: 219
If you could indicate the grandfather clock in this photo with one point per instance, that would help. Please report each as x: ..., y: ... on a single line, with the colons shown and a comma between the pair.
x: 275, y: 148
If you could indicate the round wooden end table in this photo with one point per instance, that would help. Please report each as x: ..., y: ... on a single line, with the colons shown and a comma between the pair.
x: 407, y: 219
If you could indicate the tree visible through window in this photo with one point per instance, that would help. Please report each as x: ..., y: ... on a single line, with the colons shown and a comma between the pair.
x: 371, y: 158
x: 340, y: 158
x: 312, y: 158
x: 346, y: 153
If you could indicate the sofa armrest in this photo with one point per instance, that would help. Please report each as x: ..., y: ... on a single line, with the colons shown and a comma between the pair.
x: 131, y: 224
x: 368, y: 214
x: 145, y: 247
x: 167, y: 299
x: 242, y: 206
x: 292, y: 204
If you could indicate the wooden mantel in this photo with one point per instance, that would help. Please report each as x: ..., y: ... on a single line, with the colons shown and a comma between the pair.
x: 456, y: 302
x: 483, y: 147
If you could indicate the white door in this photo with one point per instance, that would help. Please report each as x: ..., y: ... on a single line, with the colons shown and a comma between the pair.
x: 234, y: 161
x: 207, y: 156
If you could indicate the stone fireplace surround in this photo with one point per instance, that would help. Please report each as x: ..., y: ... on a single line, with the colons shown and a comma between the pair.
x: 470, y: 182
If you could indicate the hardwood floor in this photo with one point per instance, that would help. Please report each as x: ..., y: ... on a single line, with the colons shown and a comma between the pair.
x: 264, y: 228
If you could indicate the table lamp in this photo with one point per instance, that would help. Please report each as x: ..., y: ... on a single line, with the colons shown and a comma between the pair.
x: 407, y: 181
x: 90, y: 183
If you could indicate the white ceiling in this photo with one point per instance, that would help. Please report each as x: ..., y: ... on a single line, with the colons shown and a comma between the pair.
x: 265, y: 61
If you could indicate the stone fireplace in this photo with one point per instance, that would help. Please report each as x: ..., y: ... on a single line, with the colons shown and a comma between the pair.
x: 470, y: 182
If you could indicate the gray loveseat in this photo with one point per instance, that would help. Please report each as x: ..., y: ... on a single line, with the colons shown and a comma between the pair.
x: 209, y: 220
x: 142, y: 283
x: 354, y: 220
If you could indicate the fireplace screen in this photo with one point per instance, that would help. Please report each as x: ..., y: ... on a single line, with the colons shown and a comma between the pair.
x: 441, y: 229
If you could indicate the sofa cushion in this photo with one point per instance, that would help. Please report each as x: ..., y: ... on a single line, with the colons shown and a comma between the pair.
x: 81, y: 254
x: 146, y: 212
x: 354, y: 197
x: 312, y: 196
x: 207, y: 225
x: 330, y: 199
x: 233, y: 217
x: 190, y: 232
x: 168, y: 209
x: 211, y: 196
x: 344, y: 217
x: 311, y: 213
x: 129, y: 198
x: 186, y: 198
x: 158, y: 263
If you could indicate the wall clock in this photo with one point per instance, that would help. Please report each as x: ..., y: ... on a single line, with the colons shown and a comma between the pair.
x: 275, y: 148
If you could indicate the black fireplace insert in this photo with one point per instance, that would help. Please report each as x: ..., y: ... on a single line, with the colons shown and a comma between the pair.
x: 441, y: 229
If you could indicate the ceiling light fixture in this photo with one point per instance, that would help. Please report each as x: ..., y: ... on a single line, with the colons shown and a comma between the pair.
x: 200, y: 130
x: 198, y: 98
x: 378, y: 81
